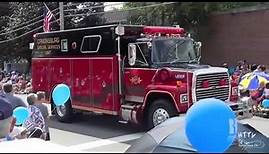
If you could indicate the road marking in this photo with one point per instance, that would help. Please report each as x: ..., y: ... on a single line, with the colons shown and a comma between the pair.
x: 104, y: 142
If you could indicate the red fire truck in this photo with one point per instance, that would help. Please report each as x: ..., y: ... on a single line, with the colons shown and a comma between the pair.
x: 142, y: 74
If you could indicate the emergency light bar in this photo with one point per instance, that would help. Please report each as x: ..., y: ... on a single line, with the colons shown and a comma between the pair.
x: 163, y: 30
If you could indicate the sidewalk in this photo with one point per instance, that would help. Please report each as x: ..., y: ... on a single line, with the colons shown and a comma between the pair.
x: 261, y: 124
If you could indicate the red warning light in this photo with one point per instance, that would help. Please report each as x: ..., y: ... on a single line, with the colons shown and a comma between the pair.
x: 163, y: 30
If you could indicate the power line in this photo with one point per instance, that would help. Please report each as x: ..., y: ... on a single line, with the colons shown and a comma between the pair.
x: 153, y: 5
x: 24, y: 26
x: 71, y: 4
x: 5, y: 33
x: 26, y: 33
x: 29, y: 21
x: 22, y: 23
x: 141, y: 7
x: 43, y: 16
x: 92, y: 7
x: 74, y: 4
x: 42, y: 19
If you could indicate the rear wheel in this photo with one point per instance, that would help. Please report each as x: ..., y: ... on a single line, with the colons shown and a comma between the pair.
x: 64, y: 112
x: 159, y: 111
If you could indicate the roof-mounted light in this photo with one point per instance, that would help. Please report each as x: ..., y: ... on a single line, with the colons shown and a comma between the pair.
x: 163, y: 30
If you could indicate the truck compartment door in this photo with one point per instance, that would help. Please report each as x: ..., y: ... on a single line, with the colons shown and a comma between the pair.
x: 40, y: 75
x: 104, y: 75
x: 60, y: 72
x: 81, y: 86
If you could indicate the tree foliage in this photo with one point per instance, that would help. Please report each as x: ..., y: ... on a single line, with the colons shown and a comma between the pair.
x: 19, y: 13
x: 189, y: 15
x: 22, y: 12
x: 4, y: 16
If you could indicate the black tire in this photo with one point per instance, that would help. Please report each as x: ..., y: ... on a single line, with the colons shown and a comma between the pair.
x: 160, y: 104
x: 67, y: 115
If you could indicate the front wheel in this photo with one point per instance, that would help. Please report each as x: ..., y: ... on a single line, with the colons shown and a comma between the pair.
x: 159, y: 111
x: 64, y: 112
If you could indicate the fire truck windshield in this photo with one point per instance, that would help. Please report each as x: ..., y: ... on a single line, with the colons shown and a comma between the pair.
x: 173, y: 50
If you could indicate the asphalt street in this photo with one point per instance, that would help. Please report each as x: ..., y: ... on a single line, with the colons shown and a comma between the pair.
x: 101, y: 133
x: 93, y: 133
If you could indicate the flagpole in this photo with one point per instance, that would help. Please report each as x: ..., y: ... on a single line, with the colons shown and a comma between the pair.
x: 61, y: 8
x: 51, y: 13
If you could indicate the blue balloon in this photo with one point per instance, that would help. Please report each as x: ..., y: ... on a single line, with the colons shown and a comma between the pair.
x: 265, y: 103
x: 21, y: 114
x: 211, y: 126
x: 60, y: 94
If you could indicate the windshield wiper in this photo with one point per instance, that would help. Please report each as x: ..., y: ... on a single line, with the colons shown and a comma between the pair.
x: 178, y: 61
x: 191, y: 60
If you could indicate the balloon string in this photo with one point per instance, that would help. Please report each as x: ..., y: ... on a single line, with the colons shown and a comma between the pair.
x: 53, y: 109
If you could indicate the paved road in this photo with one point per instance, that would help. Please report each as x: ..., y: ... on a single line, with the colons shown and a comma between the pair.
x: 100, y: 133
x: 93, y: 133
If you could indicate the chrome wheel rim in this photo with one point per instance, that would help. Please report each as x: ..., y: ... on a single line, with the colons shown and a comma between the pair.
x: 159, y: 116
x: 61, y: 110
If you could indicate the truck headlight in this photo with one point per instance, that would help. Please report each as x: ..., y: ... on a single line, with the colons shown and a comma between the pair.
x: 234, y: 90
x: 184, y: 98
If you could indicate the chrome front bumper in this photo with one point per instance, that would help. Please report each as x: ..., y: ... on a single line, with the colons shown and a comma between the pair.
x: 242, y: 110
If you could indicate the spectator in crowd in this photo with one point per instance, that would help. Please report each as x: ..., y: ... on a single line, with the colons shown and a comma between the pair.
x: 265, y: 95
x: 238, y: 69
x: 44, y: 110
x: 2, y: 76
x: 258, y: 69
x: 13, y: 77
x: 2, y: 94
x: 15, y: 88
x: 231, y: 70
x: 263, y: 68
x: 7, y: 121
x: 6, y: 80
x: 225, y: 65
x: 35, y: 121
x: 21, y: 85
x: 244, y: 67
x: 29, y: 88
x: 257, y: 95
x: 14, y: 100
x: 253, y: 67
x: 266, y: 91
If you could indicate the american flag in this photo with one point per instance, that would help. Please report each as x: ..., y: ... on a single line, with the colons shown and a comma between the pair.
x: 48, y: 15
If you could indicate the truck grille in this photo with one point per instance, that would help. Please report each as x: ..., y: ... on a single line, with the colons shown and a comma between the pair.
x: 214, y: 90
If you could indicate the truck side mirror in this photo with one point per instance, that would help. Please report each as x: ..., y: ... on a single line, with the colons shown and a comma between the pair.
x: 199, y: 45
x: 131, y: 54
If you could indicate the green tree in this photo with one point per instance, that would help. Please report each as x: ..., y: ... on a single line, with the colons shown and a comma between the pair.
x: 16, y: 25
x: 186, y: 14
x: 189, y: 15
x: 4, y: 16
x: 22, y: 12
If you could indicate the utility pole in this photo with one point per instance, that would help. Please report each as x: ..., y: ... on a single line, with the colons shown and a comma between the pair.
x: 61, y: 8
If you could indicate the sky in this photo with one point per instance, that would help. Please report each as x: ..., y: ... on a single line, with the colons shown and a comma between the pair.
x: 117, y: 5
